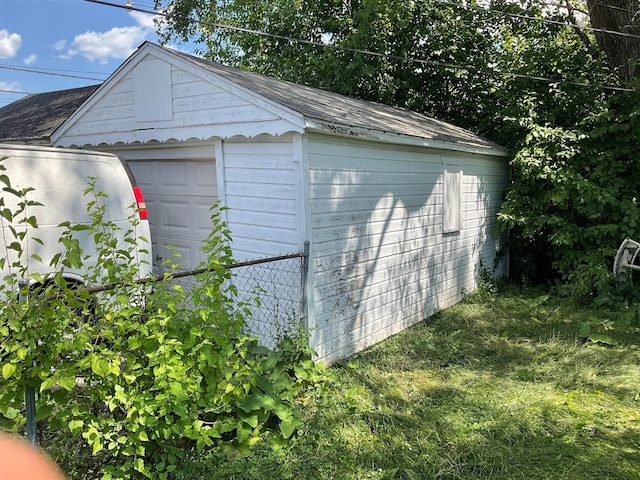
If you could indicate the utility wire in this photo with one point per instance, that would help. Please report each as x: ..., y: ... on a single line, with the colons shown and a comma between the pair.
x: 515, y: 15
x: 367, y: 52
x: 14, y: 91
x: 536, y: 19
x: 65, y: 70
x: 48, y: 72
x: 131, y: 7
x: 564, y: 6
x: 613, y: 7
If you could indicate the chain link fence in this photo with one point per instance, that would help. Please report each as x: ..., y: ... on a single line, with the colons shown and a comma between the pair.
x: 276, y: 282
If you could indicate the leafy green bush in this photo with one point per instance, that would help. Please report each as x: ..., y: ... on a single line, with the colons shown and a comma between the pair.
x: 132, y: 379
x: 574, y: 198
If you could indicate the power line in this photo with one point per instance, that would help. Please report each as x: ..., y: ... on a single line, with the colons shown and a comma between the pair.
x: 14, y: 91
x: 48, y: 72
x: 444, y: 2
x: 560, y: 6
x: 541, y: 20
x: 368, y: 52
x: 65, y: 70
x: 613, y: 7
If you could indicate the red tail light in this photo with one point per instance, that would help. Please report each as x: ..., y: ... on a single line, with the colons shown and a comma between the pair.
x: 142, y: 207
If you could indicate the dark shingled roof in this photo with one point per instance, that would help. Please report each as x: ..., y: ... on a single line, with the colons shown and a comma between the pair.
x: 36, y: 116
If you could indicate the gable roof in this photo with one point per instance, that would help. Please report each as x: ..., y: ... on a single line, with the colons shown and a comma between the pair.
x: 290, y: 106
x: 333, y: 108
x: 35, y: 117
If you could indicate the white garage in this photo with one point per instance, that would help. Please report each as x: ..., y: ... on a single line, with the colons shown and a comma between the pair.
x: 399, y: 209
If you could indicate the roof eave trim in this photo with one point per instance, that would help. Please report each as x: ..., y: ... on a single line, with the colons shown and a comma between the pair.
x: 26, y: 140
x: 322, y: 126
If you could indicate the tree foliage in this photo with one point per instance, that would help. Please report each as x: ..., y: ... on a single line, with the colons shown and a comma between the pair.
x: 405, y: 29
x: 574, y: 197
x: 444, y: 59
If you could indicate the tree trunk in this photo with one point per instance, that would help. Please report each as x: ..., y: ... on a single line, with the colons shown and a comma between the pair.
x: 622, y: 51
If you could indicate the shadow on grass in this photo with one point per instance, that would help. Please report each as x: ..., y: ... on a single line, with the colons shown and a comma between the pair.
x: 498, y: 389
x: 465, y: 432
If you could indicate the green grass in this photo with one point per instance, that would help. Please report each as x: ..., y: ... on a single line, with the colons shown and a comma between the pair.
x: 499, y: 387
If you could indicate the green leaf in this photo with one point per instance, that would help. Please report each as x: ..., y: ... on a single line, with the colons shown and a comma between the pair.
x: 283, y: 411
x: 242, y: 432
x: 31, y: 221
x: 254, y: 402
x: 44, y: 411
x: 603, y: 339
x: 55, y: 260
x: 48, y: 383
x: 8, y: 370
x: 251, y: 420
x: 280, y: 382
x: 67, y: 383
x: 177, y: 389
x: 119, y: 394
x: 99, y: 366
x: 287, y: 427
x: 272, y: 360
x: 139, y: 465
x: 97, y: 445
x: 75, y: 426
x: 585, y: 330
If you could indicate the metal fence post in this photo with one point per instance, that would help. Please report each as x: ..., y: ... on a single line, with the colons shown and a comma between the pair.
x: 30, y: 403
x: 29, y: 392
x: 303, y: 286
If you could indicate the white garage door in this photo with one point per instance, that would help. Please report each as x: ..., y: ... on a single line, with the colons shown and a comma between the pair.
x: 179, y: 195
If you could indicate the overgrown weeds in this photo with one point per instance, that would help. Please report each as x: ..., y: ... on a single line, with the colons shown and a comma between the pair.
x: 131, y: 381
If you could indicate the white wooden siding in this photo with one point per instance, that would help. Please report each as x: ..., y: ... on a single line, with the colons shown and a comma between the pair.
x: 379, y: 258
x: 259, y: 186
x: 153, y: 98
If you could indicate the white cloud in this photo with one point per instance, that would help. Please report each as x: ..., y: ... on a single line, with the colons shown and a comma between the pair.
x: 31, y: 59
x: 144, y: 19
x: 9, y: 44
x: 60, y: 45
x: 117, y: 43
x: 10, y: 86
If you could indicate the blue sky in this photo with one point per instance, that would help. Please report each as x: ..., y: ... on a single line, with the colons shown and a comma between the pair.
x: 66, y: 38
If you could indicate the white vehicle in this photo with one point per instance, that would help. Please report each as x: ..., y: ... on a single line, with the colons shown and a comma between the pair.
x: 59, y: 179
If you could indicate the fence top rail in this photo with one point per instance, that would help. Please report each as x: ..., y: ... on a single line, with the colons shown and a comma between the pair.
x: 195, y: 271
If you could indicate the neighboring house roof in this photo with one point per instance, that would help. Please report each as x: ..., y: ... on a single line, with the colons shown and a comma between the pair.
x: 35, y: 117
x: 318, y: 104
